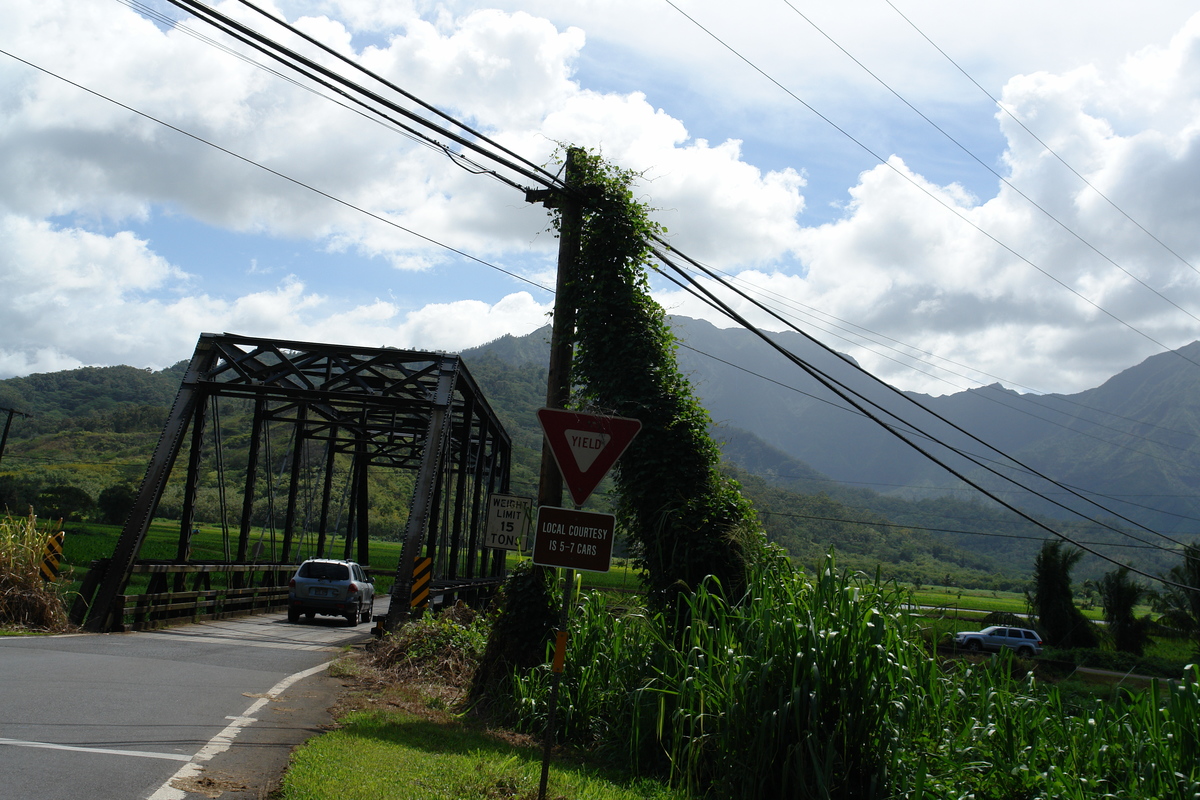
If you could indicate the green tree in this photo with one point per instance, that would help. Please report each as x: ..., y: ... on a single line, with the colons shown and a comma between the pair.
x: 115, y: 503
x: 1052, y: 598
x: 1180, y: 605
x: 63, y: 502
x: 1119, y: 594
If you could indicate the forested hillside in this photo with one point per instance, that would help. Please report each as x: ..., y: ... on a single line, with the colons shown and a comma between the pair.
x: 1133, y: 442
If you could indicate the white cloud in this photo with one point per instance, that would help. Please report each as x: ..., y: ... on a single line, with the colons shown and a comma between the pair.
x: 907, y: 269
x: 77, y: 298
x: 72, y: 153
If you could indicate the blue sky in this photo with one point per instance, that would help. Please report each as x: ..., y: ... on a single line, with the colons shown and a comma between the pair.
x: 124, y: 239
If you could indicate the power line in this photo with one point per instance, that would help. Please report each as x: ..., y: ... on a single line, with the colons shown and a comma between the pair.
x: 986, y: 166
x: 916, y: 432
x: 929, y: 193
x: 844, y: 393
x: 1038, y: 139
x: 833, y: 384
x: 279, y: 174
x: 332, y: 80
x: 550, y: 179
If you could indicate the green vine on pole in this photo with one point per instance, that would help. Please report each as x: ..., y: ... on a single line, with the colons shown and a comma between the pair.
x: 684, y: 518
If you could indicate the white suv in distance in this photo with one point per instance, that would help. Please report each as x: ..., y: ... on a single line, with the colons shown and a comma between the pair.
x: 333, y: 588
x: 1024, y: 641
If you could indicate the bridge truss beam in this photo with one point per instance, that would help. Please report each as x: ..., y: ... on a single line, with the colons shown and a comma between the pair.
x: 376, y: 408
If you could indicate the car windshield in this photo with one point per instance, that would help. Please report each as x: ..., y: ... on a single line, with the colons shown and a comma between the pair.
x: 323, y: 571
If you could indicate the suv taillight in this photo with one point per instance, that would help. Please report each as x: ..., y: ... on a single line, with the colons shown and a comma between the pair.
x: 352, y: 588
x: 292, y: 583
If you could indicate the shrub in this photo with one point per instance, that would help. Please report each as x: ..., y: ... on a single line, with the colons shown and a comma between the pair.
x: 444, y: 647
x: 798, y: 690
x: 26, y: 600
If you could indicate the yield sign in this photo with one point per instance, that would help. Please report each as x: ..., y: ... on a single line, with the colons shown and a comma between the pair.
x: 585, y: 446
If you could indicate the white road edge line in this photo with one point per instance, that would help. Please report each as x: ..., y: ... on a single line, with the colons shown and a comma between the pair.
x: 224, y: 740
x: 101, y: 750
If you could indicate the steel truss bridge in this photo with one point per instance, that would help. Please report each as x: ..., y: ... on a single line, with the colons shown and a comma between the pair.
x: 343, y: 411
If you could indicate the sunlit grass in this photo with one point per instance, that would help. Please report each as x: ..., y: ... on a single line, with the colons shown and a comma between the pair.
x: 92, y: 541
x: 400, y: 756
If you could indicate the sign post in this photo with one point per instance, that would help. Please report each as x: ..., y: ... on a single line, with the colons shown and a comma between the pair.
x: 585, y: 447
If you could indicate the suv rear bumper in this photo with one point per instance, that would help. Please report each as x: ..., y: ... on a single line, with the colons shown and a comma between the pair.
x: 321, y: 605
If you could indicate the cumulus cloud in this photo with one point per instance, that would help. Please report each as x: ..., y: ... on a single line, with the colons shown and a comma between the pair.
x: 1055, y: 299
x: 77, y: 298
x: 510, y: 73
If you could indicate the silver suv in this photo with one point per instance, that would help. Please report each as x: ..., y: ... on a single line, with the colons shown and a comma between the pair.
x: 1026, y: 642
x: 333, y: 588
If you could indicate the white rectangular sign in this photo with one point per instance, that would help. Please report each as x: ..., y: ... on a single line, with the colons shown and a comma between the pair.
x: 507, y: 521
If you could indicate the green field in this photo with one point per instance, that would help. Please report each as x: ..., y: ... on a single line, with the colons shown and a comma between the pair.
x: 88, y: 542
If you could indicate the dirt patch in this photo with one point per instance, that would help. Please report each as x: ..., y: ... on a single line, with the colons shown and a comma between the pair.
x: 421, y: 674
x: 209, y: 785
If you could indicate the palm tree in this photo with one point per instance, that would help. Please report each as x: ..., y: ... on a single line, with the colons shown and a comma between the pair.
x: 1052, y: 599
x: 1119, y: 594
x: 1180, y: 605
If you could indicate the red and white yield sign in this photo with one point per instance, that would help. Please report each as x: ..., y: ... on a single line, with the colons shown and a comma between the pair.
x: 585, y: 446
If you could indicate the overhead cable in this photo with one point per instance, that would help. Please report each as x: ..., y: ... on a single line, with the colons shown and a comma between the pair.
x: 351, y: 90
x: 985, y: 165
x: 928, y: 192
x: 551, y: 179
x: 845, y: 393
x: 888, y: 387
x: 1039, y: 140
x: 277, y: 173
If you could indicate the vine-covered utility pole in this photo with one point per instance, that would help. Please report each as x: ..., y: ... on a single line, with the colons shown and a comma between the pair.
x: 520, y: 632
x: 612, y: 351
x: 562, y: 336
x: 684, y: 519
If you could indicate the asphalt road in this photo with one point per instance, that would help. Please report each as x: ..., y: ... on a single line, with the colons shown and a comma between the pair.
x: 197, y: 711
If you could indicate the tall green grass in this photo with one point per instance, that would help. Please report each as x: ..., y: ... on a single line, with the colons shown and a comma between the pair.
x: 606, y: 649
x: 990, y: 734
x: 27, y: 601
x: 820, y: 686
x: 792, y: 690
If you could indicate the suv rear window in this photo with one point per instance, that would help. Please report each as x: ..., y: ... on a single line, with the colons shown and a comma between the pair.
x: 329, y: 572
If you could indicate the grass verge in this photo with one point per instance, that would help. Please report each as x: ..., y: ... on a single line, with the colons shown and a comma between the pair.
x: 399, y: 734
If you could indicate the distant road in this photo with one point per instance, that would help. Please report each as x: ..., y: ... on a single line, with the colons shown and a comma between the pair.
x: 218, y: 704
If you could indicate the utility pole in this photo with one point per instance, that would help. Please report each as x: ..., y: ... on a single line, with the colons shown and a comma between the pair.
x: 558, y: 392
x: 558, y: 378
x: 12, y: 412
